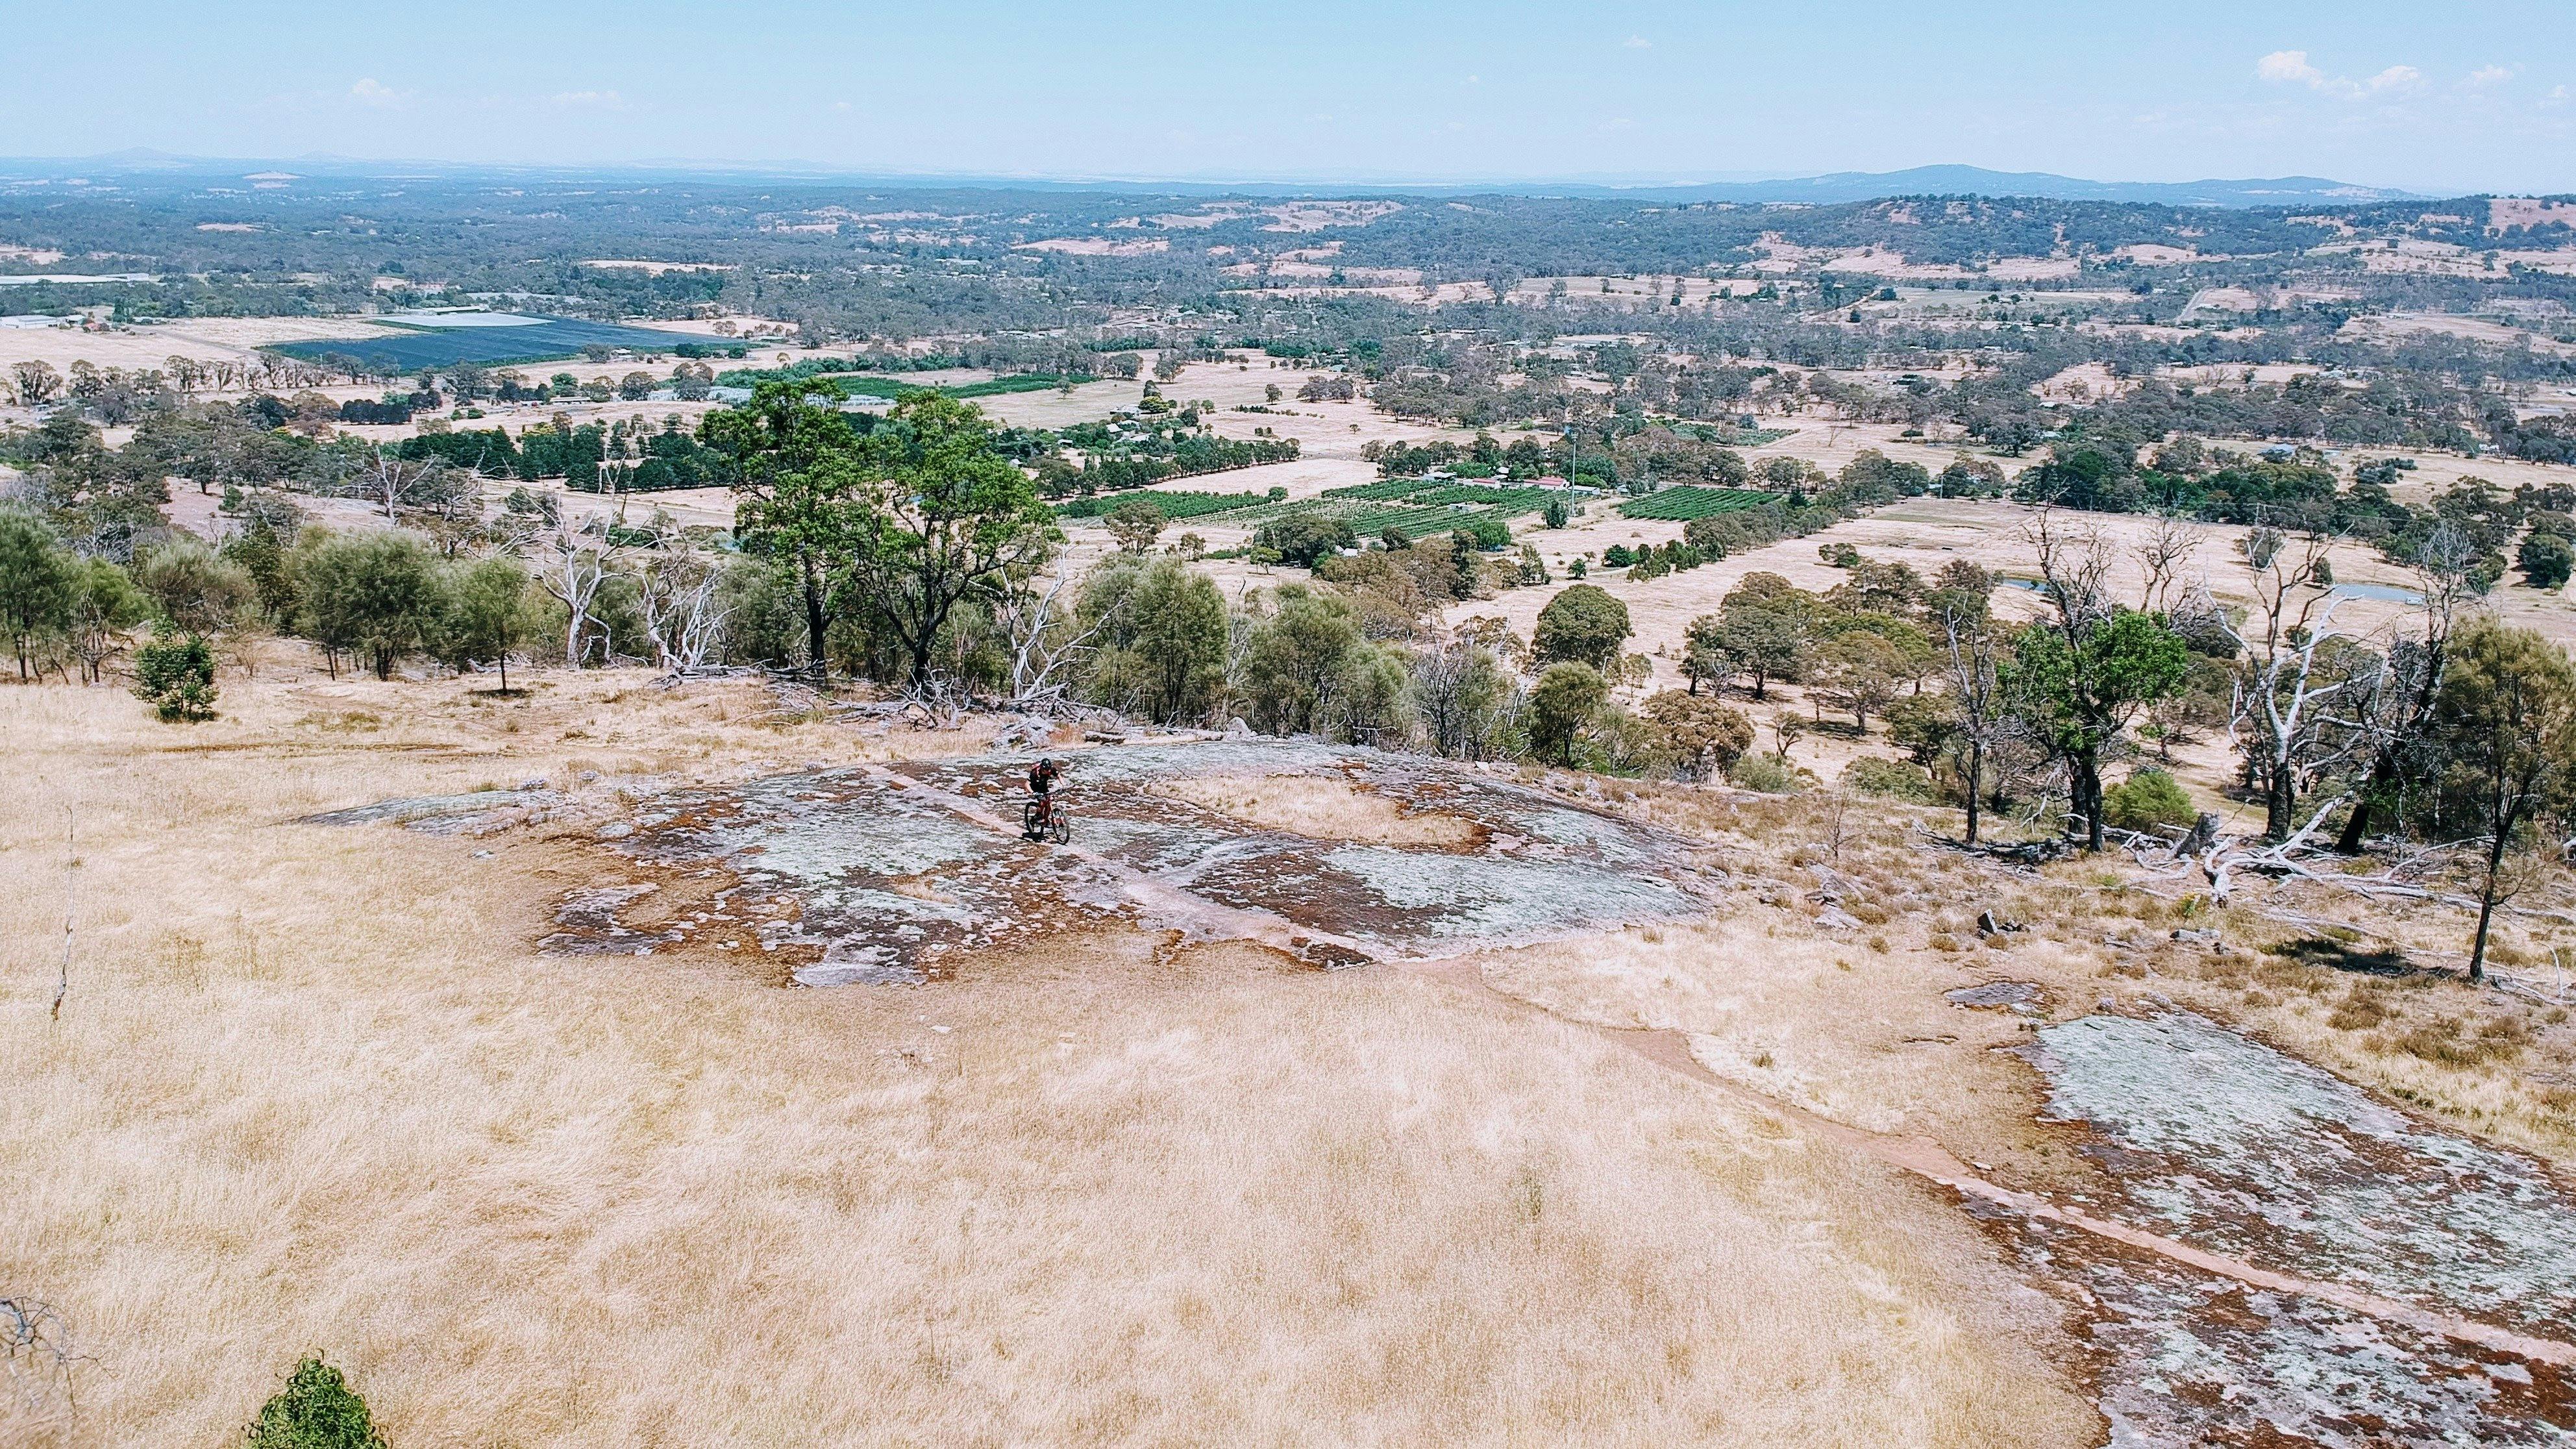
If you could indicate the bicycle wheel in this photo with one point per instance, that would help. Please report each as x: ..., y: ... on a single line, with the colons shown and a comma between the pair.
x: 1032, y: 820
x: 1062, y: 830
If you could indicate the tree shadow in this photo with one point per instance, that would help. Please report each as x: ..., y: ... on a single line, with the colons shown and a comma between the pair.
x: 2342, y: 956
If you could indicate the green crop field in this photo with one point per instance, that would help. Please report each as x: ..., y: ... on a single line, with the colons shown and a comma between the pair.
x: 1176, y: 505
x: 1728, y: 437
x: 1684, y: 504
x: 1418, y: 507
x: 891, y: 387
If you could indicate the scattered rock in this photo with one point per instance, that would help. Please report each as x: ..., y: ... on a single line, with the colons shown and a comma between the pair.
x: 2210, y: 939
x: 1993, y: 994
x: 617, y: 830
x: 1834, y: 918
x: 1989, y: 924
x: 1832, y: 886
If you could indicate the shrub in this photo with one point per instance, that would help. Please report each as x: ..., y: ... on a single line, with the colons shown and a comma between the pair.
x: 316, y: 1410
x: 1763, y: 773
x: 198, y: 590
x: 2147, y: 799
x: 175, y: 674
x: 1702, y: 736
x: 1896, y: 779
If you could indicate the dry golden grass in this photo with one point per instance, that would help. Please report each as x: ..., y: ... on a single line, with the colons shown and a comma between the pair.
x: 1320, y: 807
x: 1853, y: 1024
x: 313, y: 1090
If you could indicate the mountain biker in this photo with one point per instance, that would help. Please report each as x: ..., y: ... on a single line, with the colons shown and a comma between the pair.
x: 1042, y: 778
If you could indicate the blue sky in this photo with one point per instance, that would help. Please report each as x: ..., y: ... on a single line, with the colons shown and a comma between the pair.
x: 2437, y: 98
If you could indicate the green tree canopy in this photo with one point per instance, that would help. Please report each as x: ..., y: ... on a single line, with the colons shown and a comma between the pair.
x: 2079, y: 694
x: 2505, y: 722
x: 798, y: 474
x: 1584, y: 624
x: 375, y: 595
x: 315, y: 1410
x: 1561, y: 704
x: 487, y: 616
x: 941, y: 517
x: 35, y: 585
x: 1161, y: 637
x: 1290, y: 664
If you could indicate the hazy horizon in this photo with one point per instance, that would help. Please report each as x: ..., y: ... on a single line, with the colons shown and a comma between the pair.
x: 1425, y: 94
x: 794, y: 167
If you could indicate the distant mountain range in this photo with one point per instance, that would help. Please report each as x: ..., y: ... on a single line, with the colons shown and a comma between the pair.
x: 1831, y: 189
x: 1842, y: 186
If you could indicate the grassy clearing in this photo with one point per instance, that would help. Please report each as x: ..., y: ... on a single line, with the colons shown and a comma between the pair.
x: 313, y: 1090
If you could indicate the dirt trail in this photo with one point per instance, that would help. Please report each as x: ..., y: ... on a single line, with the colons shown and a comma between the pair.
x: 1922, y: 1156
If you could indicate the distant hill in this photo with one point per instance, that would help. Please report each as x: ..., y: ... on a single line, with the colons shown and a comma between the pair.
x: 1842, y: 186
x: 1837, y: 187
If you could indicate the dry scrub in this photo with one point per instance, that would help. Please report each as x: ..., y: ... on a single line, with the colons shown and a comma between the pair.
x: 313, y: 1089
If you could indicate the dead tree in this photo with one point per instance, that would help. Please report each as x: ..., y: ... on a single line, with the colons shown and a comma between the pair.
x: 1977, y: 688
x: 2392, y: 710
x: 572, y: 566
x: 1037, y: 629
x: 2282, y: 691
x: 393, y: 483
x: 2168, y: 549
x: 684, y: 616
x: 37, y: 1353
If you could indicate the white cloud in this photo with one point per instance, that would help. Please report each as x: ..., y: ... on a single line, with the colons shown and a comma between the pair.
x: 2490, y: 75
x: 372, y: 92
x: 2289, y: 66
x: 2292, y: 67
x: 595, y: 100
x: 1638, y: 42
